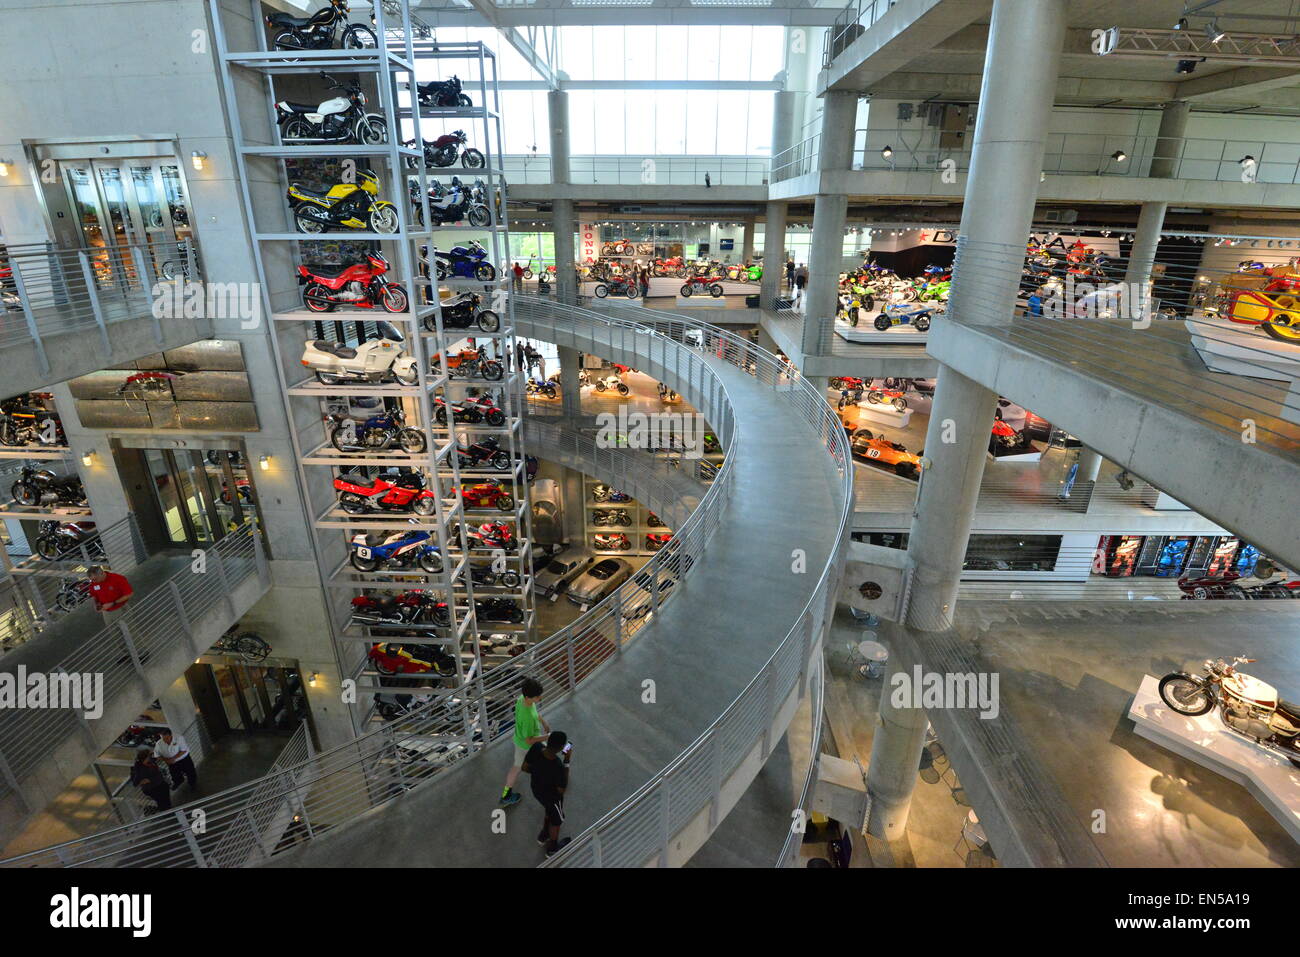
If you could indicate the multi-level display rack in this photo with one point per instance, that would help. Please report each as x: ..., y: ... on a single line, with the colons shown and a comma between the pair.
x: 448, y: 642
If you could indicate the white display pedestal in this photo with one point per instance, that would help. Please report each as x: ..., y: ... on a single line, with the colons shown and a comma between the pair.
x: 1208, y: 742
x: 1239, y: 349
x: 702, y: 301
x: 864, y: 331
x: 883, y: 415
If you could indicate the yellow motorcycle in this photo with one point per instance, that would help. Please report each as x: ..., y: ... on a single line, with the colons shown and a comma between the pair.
x: 344, y: 206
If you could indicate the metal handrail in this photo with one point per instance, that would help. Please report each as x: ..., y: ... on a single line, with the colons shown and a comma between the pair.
x: 859, y: 12
x: 794, y: 837
x: 657, y: 170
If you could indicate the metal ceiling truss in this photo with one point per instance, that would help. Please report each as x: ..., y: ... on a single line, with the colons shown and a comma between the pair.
x: 518, y: 13
x: 1262, y: 48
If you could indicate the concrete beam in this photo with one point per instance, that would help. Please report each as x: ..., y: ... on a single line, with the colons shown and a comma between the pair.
x: 1244, y: 80
x: 637, y: 193
x: 1070, y: 90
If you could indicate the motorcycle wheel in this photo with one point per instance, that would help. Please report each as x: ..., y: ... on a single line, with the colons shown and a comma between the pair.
x: 680, y: 272
x: 881, y: 322
x: 425, y: 505
x: 307, y: 224
x: 336, y: 440
x: 506, y: 503
x: 383, y: 219
x: 622, y: 389
x: 686, y: 290
x: 900, y: 404
x: 485, y: 272
x: 600, y: 387
x: 363, y: 564
x: 395, y: 298
x: 358, y: 37
x: 528, y: 274
x: 473, y: 159
x: 492, y: 370
x: 509, y: 580
x: 500, y: 462
x: 431, y: 562
x: 286, y: 41
x: 411, y: 441
x: 47, y: 547
x: 922, y: 323
x: 549, y: 392
x: 383, y: 669
x: 371, y: 131
x: 316, y: 298
x: 715, y: 290
x: 413, y: 378
x: 296, y: 129
x: 25, y: 493
x: 441, y: 270
x: 1185, y: 696
x: 8, y: 433
x: 463, y: 100
x: 66, y: 602
x: 632, y: 292
x: 352, y: 503
x: 480, y: 217
x: 601, y: 290
x: 875, y: 397
x: 488, y: 321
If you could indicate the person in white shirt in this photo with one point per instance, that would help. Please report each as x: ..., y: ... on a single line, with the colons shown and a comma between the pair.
x: 174, y: 751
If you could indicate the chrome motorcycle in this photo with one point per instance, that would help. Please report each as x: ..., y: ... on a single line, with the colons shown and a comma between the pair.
x: 1246, y: 705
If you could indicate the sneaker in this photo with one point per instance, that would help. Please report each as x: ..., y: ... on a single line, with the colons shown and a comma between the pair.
x: 542, y: 838
x: 510, y: 799
x: 550, y: 851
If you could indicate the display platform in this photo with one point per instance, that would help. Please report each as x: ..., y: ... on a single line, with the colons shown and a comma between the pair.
x: 1239, y: 349
x: 865, y: 332
x: 885, y: 415
x: 1208, y: 742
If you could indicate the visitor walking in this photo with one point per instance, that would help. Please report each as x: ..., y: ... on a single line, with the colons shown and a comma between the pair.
x: 519, y: 277
x: 174, y: 751
x: 148, y: 777
x: 800, y: 282
x: 548, y: 767
x: 789, y: 274
x: 530, y: 729
x: 521, y: 357
x: 643, y: 280
x: 110, y: 591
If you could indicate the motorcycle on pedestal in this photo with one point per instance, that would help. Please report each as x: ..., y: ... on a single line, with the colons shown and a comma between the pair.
x: 379, y: 433
x: 339, y: 119
x: 375, y: 360
x: 317, y: 32
x: 1248, y: 706
x: 442, y: 94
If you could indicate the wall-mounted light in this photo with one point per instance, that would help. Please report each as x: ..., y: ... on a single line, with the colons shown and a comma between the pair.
x: 265, y: 462
x: 88, y: 458
x: 4, y: 167
x: 1213, y: 33
x: 887, y: 152
x: 311, y: 679
x: 197, y: 158
x: 1119, y: 156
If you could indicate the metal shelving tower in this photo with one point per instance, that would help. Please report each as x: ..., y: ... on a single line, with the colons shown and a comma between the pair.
x: 277, y: 249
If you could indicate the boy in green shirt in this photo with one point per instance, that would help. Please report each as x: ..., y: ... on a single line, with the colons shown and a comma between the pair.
x: 529, y: 729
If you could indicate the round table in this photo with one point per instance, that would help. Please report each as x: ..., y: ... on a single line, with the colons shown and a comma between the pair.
x: 875, y: 654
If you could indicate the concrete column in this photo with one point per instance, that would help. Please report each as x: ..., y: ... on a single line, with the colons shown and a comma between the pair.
x: 895, y: 759
x: 1142, y: 256
x: 1169, y: 139
x: 747, y: 243
x: 563, y: 223
x: 827, y: 248
x: 773, y: 254
x: 570, y: 394
x: 1089, y: 465
x: 783, y: 111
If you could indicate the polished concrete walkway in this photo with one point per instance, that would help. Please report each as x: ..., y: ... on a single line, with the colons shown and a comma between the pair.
x: 692, y: 651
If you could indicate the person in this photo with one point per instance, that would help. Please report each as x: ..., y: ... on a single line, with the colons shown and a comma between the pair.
x: 520, y: 355
x: 530, y: 729
x: 519, y: 277
x: 707, y: 182
x: 789, y: 273
x: 110, y: 591
x: 644, y: 281
x: 533, y: 357
x: 548, y: 768
x: 174, y: 751
x: 800, y: 281
x: 148, y: 777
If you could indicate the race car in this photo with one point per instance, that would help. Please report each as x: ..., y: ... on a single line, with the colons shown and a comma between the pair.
x: 878, y: 450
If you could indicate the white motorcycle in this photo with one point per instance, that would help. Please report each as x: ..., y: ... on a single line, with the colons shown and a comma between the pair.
x: 375, y: 360
x: 1247, y: 705
x: 611, y: 383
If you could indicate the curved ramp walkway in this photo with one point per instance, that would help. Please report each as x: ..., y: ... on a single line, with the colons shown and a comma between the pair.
x: 701, y: 651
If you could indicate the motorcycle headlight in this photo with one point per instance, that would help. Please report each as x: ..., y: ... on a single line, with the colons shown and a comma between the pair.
x: 361, y: 99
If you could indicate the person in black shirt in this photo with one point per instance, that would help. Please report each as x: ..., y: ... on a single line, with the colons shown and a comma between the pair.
x: 548, y: 768
x: 148, y: 777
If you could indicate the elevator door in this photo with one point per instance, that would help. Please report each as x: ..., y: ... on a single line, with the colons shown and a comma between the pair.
x: 200, y: 495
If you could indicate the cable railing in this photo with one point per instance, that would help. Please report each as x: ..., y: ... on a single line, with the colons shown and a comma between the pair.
x: 46, y: 290
x: 150, y: 627
x: 657, y: 170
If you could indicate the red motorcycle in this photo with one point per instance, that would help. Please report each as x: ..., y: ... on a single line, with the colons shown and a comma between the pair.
x: 493, y: 535
x: 487, y: 495
x: 669, y: 267
x: 394, y: 659
x: 384, y: 493
x: 360, y: 286
x: 702, y: 284
x: 617, y: 286
x: 657, y: 540
x: 491, y: 412
x: 410, y: 608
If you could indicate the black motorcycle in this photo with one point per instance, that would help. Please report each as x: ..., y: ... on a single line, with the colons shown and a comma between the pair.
x: 37, y: 486
x: 445, y: 150
x: 484, y: 575
x: 341, y: 119
x: 611, y: 518
x: 489, y: 450
x: 441, y: 94
x: 319, y: 31
x: 499, y: 609
x: 56, y: 539
x: 462, y: 312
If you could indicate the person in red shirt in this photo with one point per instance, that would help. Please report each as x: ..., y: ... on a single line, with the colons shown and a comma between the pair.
x: 110, y: 591
x: 518, y: 270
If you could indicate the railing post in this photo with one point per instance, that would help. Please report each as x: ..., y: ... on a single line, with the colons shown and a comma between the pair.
x: 148, y: 280
x: 8, y: 774
x: 30, y: 316
x: 131, y: 649
x: 769, y: 693
x: 225, y: 581
x: 92, y: 291
x: 665, y: 817
x: 182, y: 617
x: 190, y: 839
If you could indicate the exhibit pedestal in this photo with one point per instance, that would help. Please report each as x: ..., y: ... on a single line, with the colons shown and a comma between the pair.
x: 865, y: 332
x: 1239, y: 349
x: 883, y: 415
x: 1208, y: 742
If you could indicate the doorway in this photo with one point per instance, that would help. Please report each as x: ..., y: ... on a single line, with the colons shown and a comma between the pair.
x: 199, y: 494
x: 238, y: 697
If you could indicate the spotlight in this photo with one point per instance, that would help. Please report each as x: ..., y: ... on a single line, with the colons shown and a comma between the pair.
x: 1119, y: 156
x: 4, y: 167
x: 1212, y: 31
x: 197, y: 158
x: 1181, y: 24
x: 1188, y: 66
x: 887, y: 152
x: 88, y: 458
x: 1124, y: 480
x: 265, y: 462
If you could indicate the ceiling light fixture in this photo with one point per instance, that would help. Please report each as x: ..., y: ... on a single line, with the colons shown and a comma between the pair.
x: 1212, y: 31
x: 887, y: 152
x: 1119, y: 156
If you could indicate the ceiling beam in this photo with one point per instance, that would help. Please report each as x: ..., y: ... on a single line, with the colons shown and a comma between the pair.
x: 1245, y: 80
x: 965, y: 87
x: 490, y: 12
x: 790, y: 13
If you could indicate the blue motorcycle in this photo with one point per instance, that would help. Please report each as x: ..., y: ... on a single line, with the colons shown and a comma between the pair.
x: 400, y: 550
x: 378, y: 433
x: 1173, y: 556
x: 464, y: 262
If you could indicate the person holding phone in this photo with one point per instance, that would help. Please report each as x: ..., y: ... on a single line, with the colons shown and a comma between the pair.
x: 530, y: 729
x: 548, y: 767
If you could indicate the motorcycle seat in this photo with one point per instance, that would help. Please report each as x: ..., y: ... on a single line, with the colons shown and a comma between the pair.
x: 284, y: 20
x: 334, y: 348
x: 454, y: 302
x: 293, y: 107
x: 327, y: 272
x: 314, y: 193
x: 1290, y: 709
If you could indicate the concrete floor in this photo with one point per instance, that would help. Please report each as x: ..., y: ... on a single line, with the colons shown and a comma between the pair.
x: 1069, y: 672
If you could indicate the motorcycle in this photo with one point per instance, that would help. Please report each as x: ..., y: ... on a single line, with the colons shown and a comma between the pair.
x: 484, y: 575
x: 41, y: 486
x: 605, y: 493
x: 397, y: 551
x: 473, y: 455
x: 611, y: 518
x: 343, y: 206
x: 701, y: 284
x: 444, y: 151
x: 668, y: 395
x: 341, y: 118
x: 72, y: 592
x: 615, y: 542
x: 669, y: 267
x: 657, y: 540
x: 441, y: 94
x: 545, y: 389
x: 498, y: 609
x: 318, y: 31
x: 464, y: 262
x: 1226, y: 587
x: 1248, y: 706
x: 472, y: 363
x: 379, y: 433
x: 487, y: 407
x: 63, y: 539
x: 23, y: 421
x: 492, y: 535
x: 138, y: 736
x: 893, y: 396
x: 393, y: 659
x: 404, y: 492
x: 654, y: 521
x: 917, y: 316
x: 409, y: 609
x: 462, y: 312
x: 619, y: 286
x: 450, y: 205
x: 360, y: 285
x: 611, y: 383
x: 375, y: 360
x: 487, y: 495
